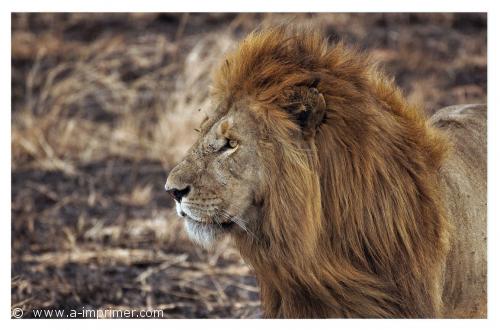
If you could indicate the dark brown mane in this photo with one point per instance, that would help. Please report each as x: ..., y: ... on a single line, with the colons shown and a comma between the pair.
x: 354, y: 225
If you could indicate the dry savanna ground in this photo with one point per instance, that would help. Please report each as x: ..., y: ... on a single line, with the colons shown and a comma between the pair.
x: 104, y: 105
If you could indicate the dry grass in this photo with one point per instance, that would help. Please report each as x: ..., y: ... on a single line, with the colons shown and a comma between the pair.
x: 105, y: 104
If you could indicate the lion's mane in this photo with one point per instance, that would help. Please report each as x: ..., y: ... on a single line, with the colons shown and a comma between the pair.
x: 353, y: 224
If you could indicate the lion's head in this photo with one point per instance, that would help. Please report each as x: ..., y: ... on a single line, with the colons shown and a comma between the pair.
x: 314, y: 163
x: 218, y: 186
x: 226, y: 181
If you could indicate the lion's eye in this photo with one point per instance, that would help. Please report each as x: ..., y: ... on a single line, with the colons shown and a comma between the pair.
x: 230, y: 144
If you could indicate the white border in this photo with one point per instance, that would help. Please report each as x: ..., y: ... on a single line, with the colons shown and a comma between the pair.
x: 251, y: 6
x: 262, y: 6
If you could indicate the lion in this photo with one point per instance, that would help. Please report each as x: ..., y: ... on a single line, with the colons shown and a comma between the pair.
x: 344, y: 198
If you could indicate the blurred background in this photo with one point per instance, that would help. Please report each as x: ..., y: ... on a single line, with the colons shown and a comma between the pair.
x: 104, y: 105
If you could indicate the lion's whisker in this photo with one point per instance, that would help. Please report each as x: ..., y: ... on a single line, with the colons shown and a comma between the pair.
x: 240, y: 222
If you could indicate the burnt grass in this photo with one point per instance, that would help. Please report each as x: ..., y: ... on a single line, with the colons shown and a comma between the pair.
x: 101, y: 233
x: 59, y: 201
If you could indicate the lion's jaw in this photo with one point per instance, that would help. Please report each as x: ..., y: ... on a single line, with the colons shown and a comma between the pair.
x: 200, y: 227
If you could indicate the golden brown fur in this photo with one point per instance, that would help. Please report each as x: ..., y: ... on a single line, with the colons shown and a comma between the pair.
x: 353, y: 220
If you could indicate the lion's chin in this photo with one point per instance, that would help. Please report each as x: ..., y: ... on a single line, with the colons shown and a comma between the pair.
x: 205, y: 234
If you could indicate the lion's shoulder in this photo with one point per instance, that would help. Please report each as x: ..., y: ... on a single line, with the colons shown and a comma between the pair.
x: 465, y: 126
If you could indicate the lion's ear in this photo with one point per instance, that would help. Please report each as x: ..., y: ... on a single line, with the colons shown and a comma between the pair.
x: 307, y: 105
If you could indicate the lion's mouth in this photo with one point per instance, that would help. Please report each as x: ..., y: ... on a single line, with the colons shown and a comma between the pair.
x: 201, y: 220
x: 210, y: 223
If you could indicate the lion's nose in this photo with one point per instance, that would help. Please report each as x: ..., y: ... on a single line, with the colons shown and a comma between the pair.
x: 177, y: 194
